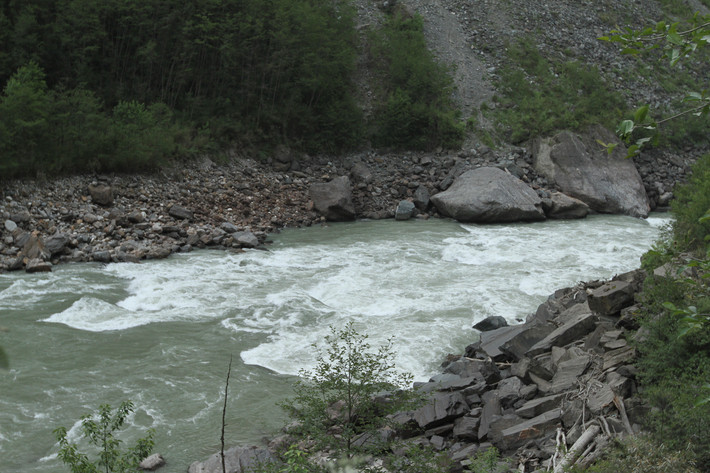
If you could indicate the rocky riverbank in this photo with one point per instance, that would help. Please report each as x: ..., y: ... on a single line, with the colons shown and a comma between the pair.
x: 548, y: 393
x: 235, y: 205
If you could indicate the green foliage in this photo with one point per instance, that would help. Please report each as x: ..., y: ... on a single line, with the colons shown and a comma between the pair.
x: 488, y: 461
x: 417, y: 110
x: 642, y: 454
x: 692, y: 201
x: 416, y: 458
x: 540, y: 96
x: 100, y: 430
x: 677, y: 41
x: 349, y: 394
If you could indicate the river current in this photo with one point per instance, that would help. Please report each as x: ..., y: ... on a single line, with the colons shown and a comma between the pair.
x: 161, y: 333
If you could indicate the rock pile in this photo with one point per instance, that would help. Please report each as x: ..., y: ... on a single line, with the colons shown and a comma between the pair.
x: 533, y: 390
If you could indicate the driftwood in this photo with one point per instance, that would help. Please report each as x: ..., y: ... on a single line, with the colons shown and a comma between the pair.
x: 586, y: 438
x: 619, y: 403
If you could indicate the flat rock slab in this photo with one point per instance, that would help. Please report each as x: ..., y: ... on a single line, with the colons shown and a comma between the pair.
x: 492, y: 341
x: 521, y: 433
x: 535, y: 407
x: 574, y: 329
x: 517, y: 346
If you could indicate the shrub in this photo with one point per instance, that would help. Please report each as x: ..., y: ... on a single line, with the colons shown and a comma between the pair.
x: 415, y: 90
x: 349, y: 394
x: 100, y: 430
x: 539, y: 96
x: 692, y: 201
x: 644, y: 455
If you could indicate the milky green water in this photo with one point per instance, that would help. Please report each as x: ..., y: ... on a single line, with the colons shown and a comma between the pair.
x: 161, y: 333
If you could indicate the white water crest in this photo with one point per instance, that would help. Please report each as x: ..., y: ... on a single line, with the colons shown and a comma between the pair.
x: 161, y: 332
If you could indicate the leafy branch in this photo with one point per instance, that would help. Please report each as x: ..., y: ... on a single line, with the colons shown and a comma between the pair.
x: 676, y: 45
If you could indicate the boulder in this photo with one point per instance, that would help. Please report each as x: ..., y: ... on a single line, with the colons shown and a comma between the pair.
x: 611, y: 297
x: 38, y: 266
x: 180, y: 213
x: 101, y: 194
x: 360, y: 173
x: 521, y: 433
x: 10, y: 226
x: 152, y: 462
x: 246, y: 239
x: 581, y: 168
x: 491, y: 323
x: 537, y: 406
x: 283, y: 158
x: 574, y: 329
x: 34, y: 248
x: 56, y: 243
x: 334, y: 199
x: 489, y: 195
x: 441, y: 408
x: 421, y: 198
x: 404, y: 211
x: 561, y: 206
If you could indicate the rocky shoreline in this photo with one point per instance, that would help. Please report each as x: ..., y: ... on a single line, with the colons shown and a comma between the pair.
x: 235, y: 205
x: 548, y: 393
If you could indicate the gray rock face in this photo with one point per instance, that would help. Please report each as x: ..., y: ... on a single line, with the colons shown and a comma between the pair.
x: 489, y: 195
x: 334, y: 199
x: 583, y: 169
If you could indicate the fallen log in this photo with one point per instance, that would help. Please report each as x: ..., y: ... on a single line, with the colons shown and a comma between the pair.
x: 578, y: 447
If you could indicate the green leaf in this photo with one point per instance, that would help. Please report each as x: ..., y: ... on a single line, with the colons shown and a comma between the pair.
x: 625, y: 128
x: 641, y: 114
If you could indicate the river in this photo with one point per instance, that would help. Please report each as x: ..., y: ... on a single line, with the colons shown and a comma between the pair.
x: 161, y: 333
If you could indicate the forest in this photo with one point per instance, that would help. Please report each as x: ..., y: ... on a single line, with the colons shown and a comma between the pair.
x: 123, y: 85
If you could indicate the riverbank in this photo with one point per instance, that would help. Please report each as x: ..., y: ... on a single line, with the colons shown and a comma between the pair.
x: 235, y: 205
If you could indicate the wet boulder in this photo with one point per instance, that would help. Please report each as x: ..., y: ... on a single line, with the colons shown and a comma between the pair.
x: 405, y: 210
x: 489, y: 195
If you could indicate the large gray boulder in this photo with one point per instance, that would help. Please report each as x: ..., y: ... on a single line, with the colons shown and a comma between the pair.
x: 582, y: 168
x: 334, y: 199
x: 489, y: 195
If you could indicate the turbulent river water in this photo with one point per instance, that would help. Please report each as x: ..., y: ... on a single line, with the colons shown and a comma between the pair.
x: 161, y: 333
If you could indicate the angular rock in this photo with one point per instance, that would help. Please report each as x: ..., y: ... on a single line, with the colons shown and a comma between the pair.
x: 582, y: 169
x: 535, y: 407
x: 562, y: 206
x: 101, y: 256
x: 405, y: 210
x: 531, y: 334
x: 509, y: 391
x: 34, y: 248
x: 574, y: 329
x: 491, y: 341
x: 360, y: 173
x: 179, y: 212
x: 491, y: 323
x: 567, y: 373
x: 491, y: 409
x: 229, y: 227
x: 101, y: 194
x: 56, y: 243
x: 521, y: 433
x: 334, y: 199
x: 466, y: 427
x: 489, y: 195
x: 611, y: 297
x: 440, y: 409
x: 620, y: 356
